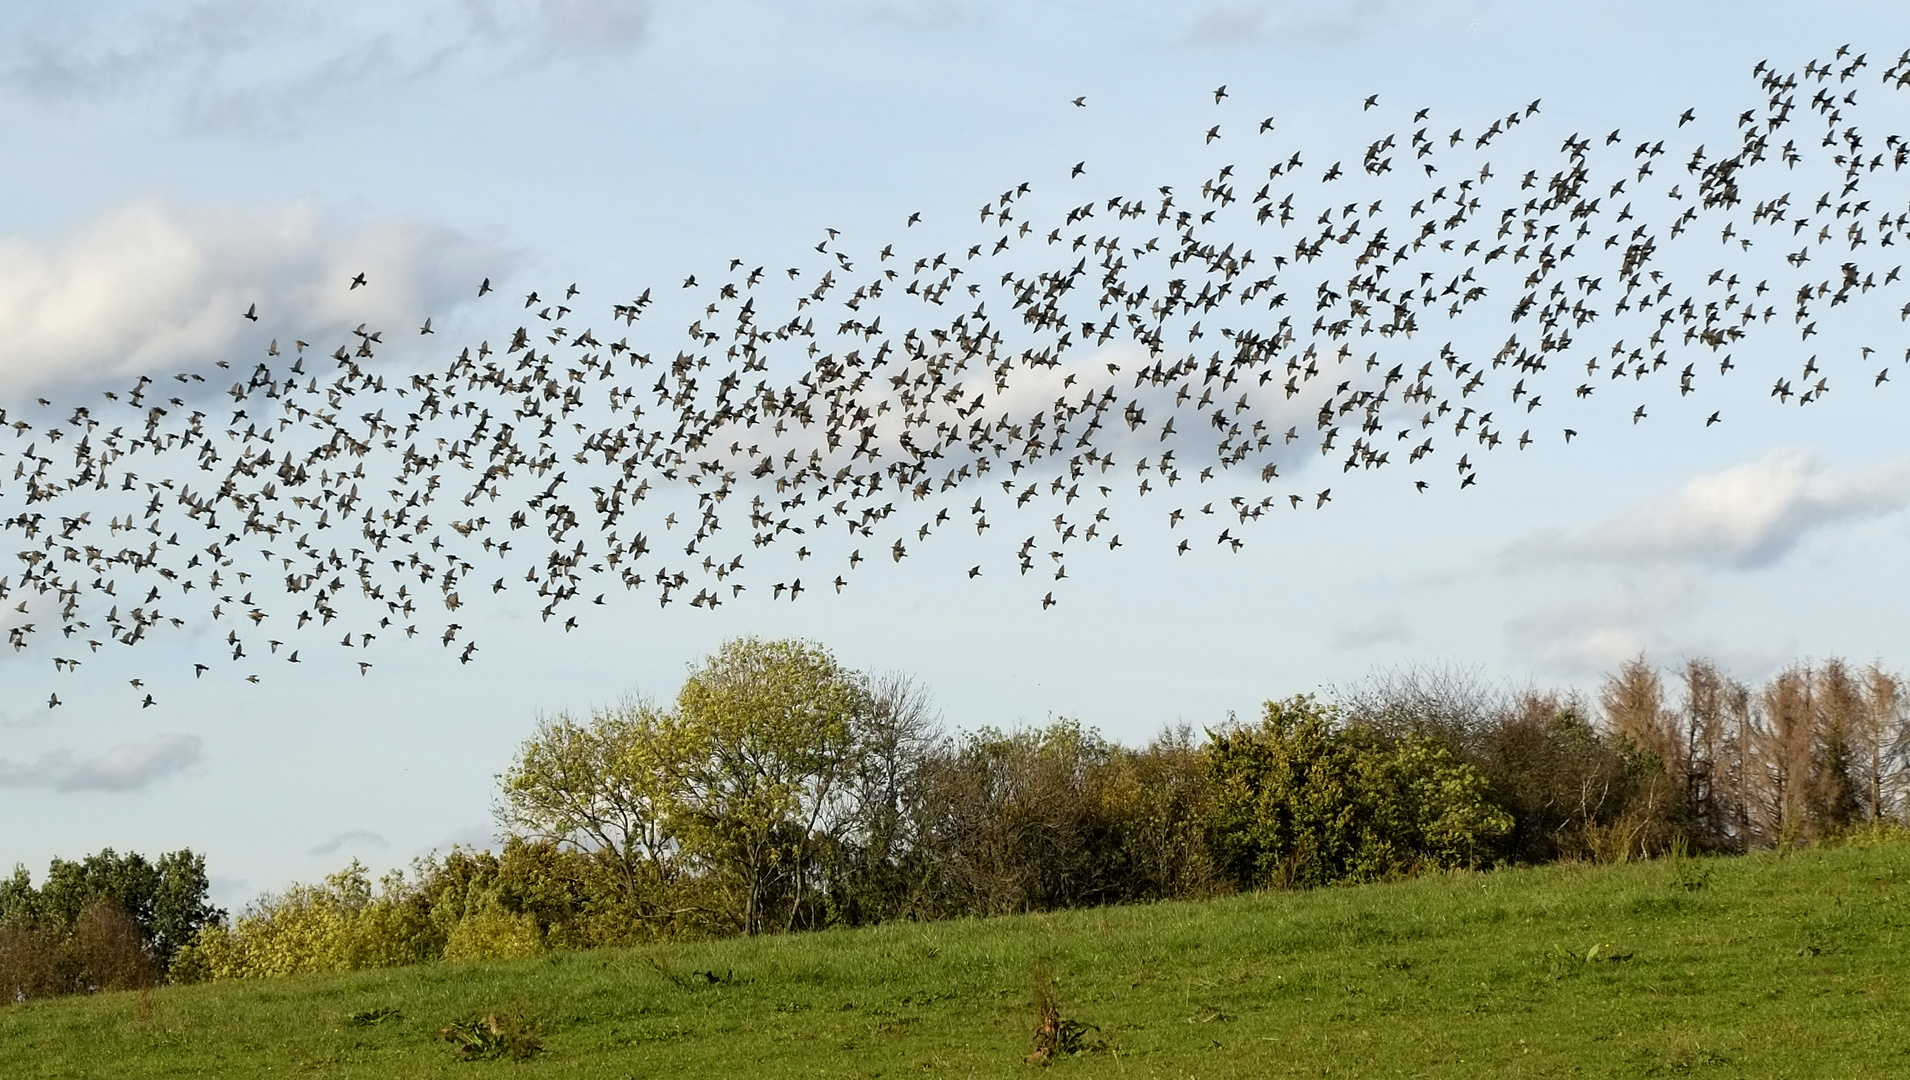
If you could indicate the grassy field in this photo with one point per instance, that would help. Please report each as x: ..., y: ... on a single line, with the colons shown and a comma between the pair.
x: 1770, y: 965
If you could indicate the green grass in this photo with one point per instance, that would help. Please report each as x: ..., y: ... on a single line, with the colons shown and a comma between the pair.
x: 1783, y: 966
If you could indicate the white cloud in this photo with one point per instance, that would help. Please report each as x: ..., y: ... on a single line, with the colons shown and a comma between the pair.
x: 126, y: 767
x: 148, y: 285
x: 1381, y: 630
x: 1747, y: 516
x: 1597, y: 635
x: 585, y: 26
x: 261, y: 65
x: 356, y: 839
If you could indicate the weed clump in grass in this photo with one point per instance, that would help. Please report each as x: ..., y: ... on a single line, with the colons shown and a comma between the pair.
x: 1565, y: 961
x: 1055, y: 1034
x: 370, y: 1017
x: 494, y: 1036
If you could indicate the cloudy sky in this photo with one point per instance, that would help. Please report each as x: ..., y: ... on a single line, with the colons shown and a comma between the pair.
x: 174, y: 162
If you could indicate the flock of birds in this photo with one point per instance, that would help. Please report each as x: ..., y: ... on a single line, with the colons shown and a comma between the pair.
x: 1200, y: 344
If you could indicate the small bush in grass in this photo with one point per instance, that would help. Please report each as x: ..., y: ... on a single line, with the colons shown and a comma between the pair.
x: 372, y: 1017
x: 493, y: 1036
x: 1055, y: 1034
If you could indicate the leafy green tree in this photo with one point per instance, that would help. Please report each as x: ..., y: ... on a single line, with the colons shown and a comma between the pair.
x: 166, y: 899
x: 1300, y: 800
x: 765, y: 735
x: 1284, y: 809
x: 604, y: 788
x: 105, y: 921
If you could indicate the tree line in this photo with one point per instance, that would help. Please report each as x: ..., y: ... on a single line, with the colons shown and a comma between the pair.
x: 782, y: 791
x: 105, y: 922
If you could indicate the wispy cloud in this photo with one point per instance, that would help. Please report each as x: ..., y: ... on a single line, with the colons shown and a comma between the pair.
x: 477, y: 837
x: 921, y: 14
x: 1310, y: 21
x: 258, y: 66
x: 1381, y: 630
x: 149, y: 284
x: 40, y: 717
x: 355, y: 839
x: 131, y: 766
x: 1596, y: 635
x: 1747, y: 516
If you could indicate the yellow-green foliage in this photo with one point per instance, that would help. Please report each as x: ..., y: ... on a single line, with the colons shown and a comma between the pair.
x: 492, y: 933
x: 342, y: 925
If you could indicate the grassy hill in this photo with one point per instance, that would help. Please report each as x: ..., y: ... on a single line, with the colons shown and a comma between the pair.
x: 1769, y: 965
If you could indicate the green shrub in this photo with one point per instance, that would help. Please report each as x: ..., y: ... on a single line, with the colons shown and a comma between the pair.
x: 338, y: 926
x: 492, y: 933
x: 1300, y: 800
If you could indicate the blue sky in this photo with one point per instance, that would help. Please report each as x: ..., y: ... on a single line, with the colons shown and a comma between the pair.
x: 174, y: 162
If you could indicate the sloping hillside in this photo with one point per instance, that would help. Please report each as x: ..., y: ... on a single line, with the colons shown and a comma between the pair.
x: 1768, y: 965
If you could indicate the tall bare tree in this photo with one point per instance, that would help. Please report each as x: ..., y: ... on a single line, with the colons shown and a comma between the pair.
x: 1783, y: 749
x: 1881, y: 745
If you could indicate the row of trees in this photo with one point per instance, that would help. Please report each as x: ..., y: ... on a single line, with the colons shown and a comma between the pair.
x: 1814, y: 751
x: 783, y: 791
x: 105, y: 922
